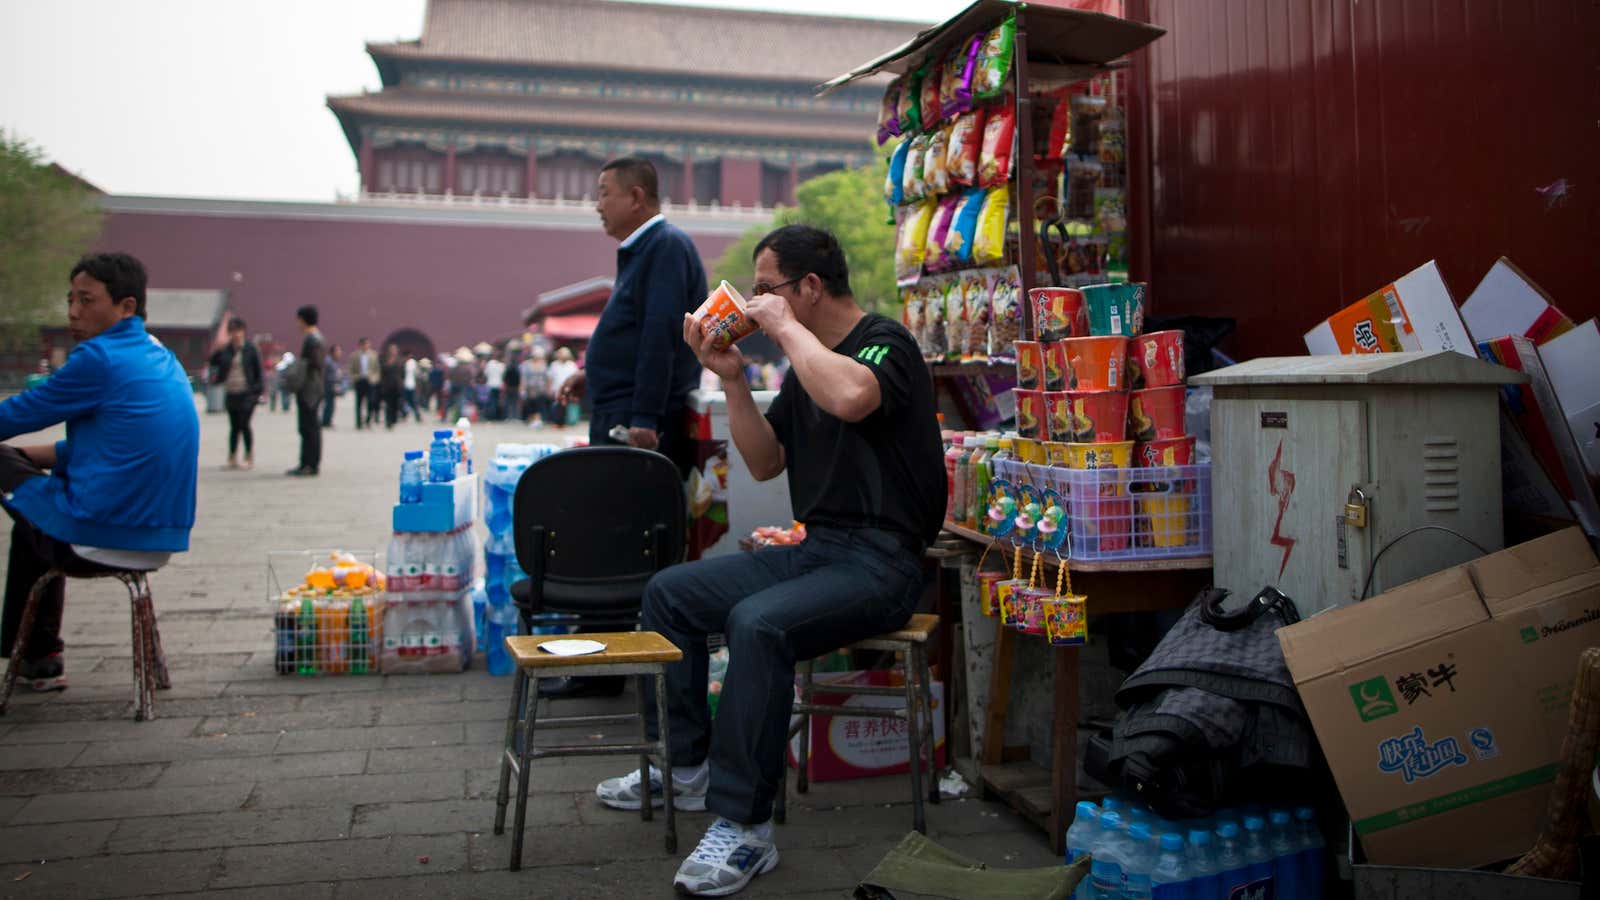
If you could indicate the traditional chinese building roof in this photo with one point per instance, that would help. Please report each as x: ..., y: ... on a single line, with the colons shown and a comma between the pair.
x: 644, y: 37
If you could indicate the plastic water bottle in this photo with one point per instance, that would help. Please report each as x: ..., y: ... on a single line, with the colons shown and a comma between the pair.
x: 480, y: 609
x: 1081, y: 835
x: 502, y: 622
x: 1281, y: 840
x: 1141, y: 862
x: 1312, y: 853
x: 1205, y: 879
x: 1109, y: 854
x: 1231, y: 863
x: 1171, y: 879
x: 1257, y: 854
x: 441, y: 461
x: 411, y: 477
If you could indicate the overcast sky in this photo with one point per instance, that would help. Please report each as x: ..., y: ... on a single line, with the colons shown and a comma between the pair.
x: 226, y: 98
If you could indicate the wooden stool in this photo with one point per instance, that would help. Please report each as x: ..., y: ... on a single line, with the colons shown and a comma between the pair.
x: 911, y: 639
x: 149, y: 662
x: 641, y: 653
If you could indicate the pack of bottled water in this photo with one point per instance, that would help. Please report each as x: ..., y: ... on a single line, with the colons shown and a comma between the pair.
x: 1253, y: 853
x: 499, y: 616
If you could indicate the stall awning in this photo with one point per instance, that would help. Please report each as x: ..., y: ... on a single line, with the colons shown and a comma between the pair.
x: 1056, y: 37
x: 570, y: 328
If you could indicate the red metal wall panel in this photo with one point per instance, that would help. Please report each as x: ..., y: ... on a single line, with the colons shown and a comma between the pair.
x: 1299, y: 154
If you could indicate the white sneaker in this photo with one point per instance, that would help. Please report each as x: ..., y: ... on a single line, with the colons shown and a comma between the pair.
x: 726, y: 859
x: 623, y: 791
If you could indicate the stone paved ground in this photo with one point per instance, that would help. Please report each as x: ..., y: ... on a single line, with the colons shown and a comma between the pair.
x: 251, y: 784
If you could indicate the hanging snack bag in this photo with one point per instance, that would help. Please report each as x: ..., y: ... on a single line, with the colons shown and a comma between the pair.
x: 1083, y: 177
x: 994, y: 65
x: 911, y: 295
x: 915, y: 179
x: 1005, y: 313
x: 893, y: 190
x: 937, y: 343
x: 955, y: 319
x: 975, y: 296
x: 999, y: 140
x: 910, y: 103
x: 958, y: 241
x: 935, y: 171
x: 961, y: 152
x: 936, y: 259
x: 1086, y: 114
x: 932, y: 106
x: 913, y: 244
x: 889, y: 113
x: 960, y: 68
x: 989, y: 244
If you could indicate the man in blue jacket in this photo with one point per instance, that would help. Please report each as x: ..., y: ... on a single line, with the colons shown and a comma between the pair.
x: 119, y: 492
x: 638, y: 370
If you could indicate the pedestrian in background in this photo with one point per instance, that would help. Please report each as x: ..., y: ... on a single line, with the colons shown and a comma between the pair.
x: 237, y: 367
x: 562, y: 370
x: 391, y: 381
x: 364, y: 378
x: 535, y: 387
x: 312, y: 378
x: 408, y: 390
x: 494, y: 373
x: 331, y: 384
x: 436, y: 379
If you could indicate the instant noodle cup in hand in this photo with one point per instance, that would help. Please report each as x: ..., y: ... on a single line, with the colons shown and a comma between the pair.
x: 722, y: 317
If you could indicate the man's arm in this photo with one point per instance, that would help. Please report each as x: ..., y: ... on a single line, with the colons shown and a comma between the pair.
x: 838, y: 384
x: 77, y: 388
x: 662, y: 299
x: 758, y: 444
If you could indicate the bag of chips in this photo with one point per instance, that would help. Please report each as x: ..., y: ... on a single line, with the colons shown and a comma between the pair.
x: 936, y: 259
x: 913, y: 181
x: 1086, y: 114
x: 975, y: 297
x: 911, y: 295
x: 989, y: 244
x: 994, y: 64
x: 960, y: 67
x: 931, y: 107
x: 935, y: 170
x: 893, y: 191
x: 937, y: 343
x: 999, y: 141
x: 889, y: 113
x: 909, y: 103
x: 912, y: 247
x: 955, y: 317
x: 1005, y: 311
x: 1083, y: 177
x: 963, y: 227
x: 961, y: 150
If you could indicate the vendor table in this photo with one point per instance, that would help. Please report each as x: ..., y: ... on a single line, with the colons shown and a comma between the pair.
x: 1045, y: 797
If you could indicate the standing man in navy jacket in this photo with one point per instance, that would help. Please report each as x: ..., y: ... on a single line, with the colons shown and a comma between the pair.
x: 638, y: 371
x: 119, y: 491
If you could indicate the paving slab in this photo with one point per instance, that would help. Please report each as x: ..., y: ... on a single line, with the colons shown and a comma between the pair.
x: 229, y: 829
x: 127, y: 875
x: 264, y: 768
x: 341, y: 860
x: 36, y: 842
x: 360, y: 789
x: 138, y: 802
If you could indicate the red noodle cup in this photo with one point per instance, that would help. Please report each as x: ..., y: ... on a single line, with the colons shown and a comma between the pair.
x: 1155, y: 359
x: 1096, y: 363
x: 1056, y: 373
x: 722, y: 317
x: 1169, y: 452
x: 1097, y: 417
x: 1057, y: 416
x: 1030, y: 414
x: 1156, y: 414
x: 1059, y: 313
x: 1030, y: 365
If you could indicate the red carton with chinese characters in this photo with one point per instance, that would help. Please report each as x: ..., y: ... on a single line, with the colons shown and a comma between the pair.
x: 862, y: 747
x: 1441, y: 705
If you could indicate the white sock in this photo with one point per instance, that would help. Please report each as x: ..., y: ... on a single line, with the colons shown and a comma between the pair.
x: 763, y: 830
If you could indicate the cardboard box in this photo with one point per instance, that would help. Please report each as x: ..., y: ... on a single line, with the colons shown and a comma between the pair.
x: 1416, y: 312
x: 1441, y: 705
x: 863, y: 747
x: 1507, y: 302
x: 1573, y: 361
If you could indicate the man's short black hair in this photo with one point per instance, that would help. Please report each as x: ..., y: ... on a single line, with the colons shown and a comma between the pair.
x: 808, y: 250
x: 307, y: 314
x: 634, y: 171
x: 235, y: 324
x: 123, y: 276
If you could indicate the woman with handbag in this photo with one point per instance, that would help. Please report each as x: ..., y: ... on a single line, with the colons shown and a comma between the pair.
x: 237, y: 367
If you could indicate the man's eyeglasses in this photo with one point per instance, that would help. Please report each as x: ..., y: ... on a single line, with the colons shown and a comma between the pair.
x: 761, y: 287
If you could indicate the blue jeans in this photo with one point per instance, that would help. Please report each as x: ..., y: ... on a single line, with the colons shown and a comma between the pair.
x: 776, y: 607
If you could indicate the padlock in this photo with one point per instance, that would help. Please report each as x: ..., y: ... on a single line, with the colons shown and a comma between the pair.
x: 1355, y: 508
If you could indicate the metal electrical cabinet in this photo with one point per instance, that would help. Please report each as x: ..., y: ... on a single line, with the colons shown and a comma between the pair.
x: 1319, y: 462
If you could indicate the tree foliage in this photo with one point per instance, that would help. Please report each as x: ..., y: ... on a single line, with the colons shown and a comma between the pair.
x: 47, y: 220
x: 847, y: 202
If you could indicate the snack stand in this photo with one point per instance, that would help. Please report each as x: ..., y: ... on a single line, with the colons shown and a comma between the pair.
x: 1089, y: 531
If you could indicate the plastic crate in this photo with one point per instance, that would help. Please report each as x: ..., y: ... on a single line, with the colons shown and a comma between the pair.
x: 331, y: 631
x: 1138, y: 514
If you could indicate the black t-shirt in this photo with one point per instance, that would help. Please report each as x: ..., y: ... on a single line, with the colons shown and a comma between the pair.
x: 886, y: 471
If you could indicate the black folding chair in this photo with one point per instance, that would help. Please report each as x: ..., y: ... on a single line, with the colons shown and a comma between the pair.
x: 591, y: 527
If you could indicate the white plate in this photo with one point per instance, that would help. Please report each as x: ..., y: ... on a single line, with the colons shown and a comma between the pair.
x: 572, y: 647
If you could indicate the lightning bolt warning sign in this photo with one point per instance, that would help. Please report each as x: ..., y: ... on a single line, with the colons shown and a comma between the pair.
x: 1280, y: 482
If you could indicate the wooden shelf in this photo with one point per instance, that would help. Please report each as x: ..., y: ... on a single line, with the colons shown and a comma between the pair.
x: 1175, y: 564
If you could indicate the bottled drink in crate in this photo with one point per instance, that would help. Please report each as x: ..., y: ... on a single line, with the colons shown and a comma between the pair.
x: 305, y: 638
x: 358, y: 636
x: 283, y: 624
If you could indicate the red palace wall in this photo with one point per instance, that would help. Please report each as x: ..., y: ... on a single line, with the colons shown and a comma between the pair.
x: 457, y: 284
